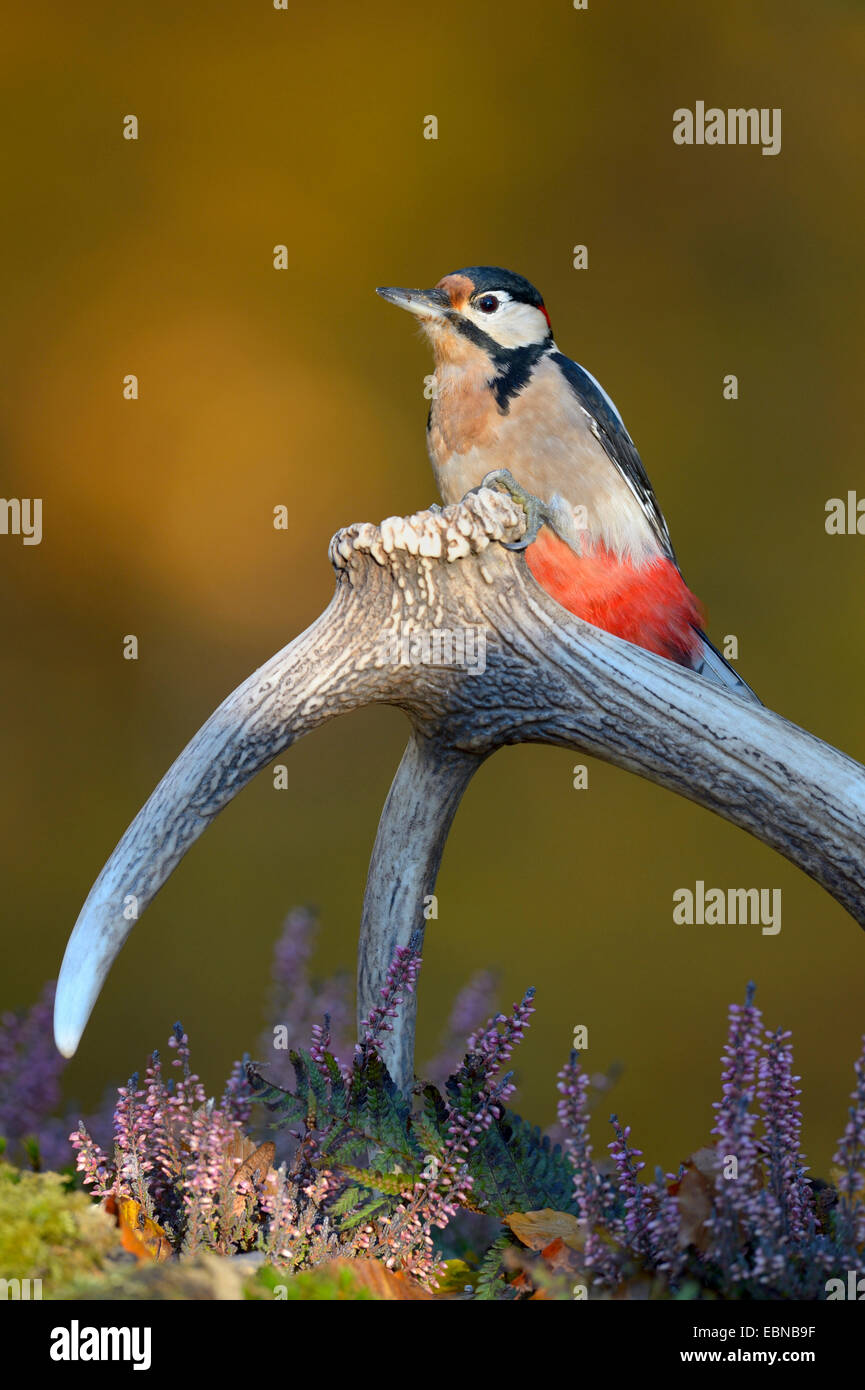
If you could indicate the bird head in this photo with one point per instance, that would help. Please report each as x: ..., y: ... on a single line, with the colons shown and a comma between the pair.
x: 480, y: 308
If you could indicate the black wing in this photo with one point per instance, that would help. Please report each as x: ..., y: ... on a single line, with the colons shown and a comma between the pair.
x: 608, y: 428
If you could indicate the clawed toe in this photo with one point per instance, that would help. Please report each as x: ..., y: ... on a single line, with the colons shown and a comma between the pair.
x: 537, y: 512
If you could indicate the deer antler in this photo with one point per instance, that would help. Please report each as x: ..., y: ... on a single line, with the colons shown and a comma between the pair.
x: 431, y: 614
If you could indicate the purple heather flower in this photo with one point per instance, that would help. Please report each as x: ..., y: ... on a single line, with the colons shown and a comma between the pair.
x: 406, y: 1237
x: 590, y: 1189
x: 30, y: 1071
x: 573, y: 1111
x: 782, y: 1121
x: 638, y: 1203
x: 850, y: 1158
x: 237, y: 1096
x: 735, y: 1121
x: 663, y: 1228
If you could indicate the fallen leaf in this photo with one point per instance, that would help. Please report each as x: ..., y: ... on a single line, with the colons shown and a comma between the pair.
x: 561, y: 1258
x: 541, y: 1229
x: 139, y: 1234
x: 694, y: 1191
x: 255, y: 1170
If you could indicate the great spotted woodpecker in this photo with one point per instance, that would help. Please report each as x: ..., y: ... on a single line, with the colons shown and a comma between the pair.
x: 505, y: 398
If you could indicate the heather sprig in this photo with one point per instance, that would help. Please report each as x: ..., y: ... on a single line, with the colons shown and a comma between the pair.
x: 574, y: 1118
x: 132, y: 1132
x: 591, y: 1189
x: 492, y: 1044
x: 172, y: 1152
x: 850, y: 1160
x: 778, y: 1095
x: 237, y: 1096
x: 96, y: 1169
x: 30, y: 1072
x: 637, y: 1202
x: 399, y: 981
x: 477, y: 1100
x: 737, y: 1175
x: 762, y: 1229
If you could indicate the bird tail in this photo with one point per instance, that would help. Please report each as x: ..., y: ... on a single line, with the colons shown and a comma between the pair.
x: 709, y: 662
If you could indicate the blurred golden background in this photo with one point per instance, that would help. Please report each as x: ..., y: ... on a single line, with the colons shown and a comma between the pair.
x: 260, y: 387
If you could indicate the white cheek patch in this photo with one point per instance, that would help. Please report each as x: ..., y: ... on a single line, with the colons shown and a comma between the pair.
x: 513, y: 324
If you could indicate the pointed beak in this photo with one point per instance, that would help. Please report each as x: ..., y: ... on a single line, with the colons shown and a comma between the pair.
x: 425, y: 304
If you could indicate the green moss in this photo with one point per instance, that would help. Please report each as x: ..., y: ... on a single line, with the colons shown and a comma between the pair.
x: 48, y: 1232
x: 314, y: 1285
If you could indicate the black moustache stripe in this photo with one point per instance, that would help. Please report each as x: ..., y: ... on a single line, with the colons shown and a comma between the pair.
x: 519, y: 363
x: 474, y: 334
x: 515, y: 365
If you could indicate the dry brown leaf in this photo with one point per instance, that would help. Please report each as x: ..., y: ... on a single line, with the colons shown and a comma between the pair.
x: 255, y: 1170
x: 542, y: 1229
x: 561, y: 1258
x: 694, y: 1192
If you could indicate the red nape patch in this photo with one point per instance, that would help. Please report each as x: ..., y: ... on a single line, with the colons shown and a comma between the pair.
x: 649, y: 605
x: 543, y: 310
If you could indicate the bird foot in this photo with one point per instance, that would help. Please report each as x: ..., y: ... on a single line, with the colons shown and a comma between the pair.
x: 538, y: 514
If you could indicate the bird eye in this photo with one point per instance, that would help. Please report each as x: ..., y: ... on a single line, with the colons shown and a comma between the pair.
x: 488, y: 304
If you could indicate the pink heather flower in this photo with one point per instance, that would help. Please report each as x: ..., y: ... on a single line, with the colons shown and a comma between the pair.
x: 401, y: 976
x: 492, y: 1044
x: 320, y: 1044
x: 130, y: 1143
x: 95, y: 1166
